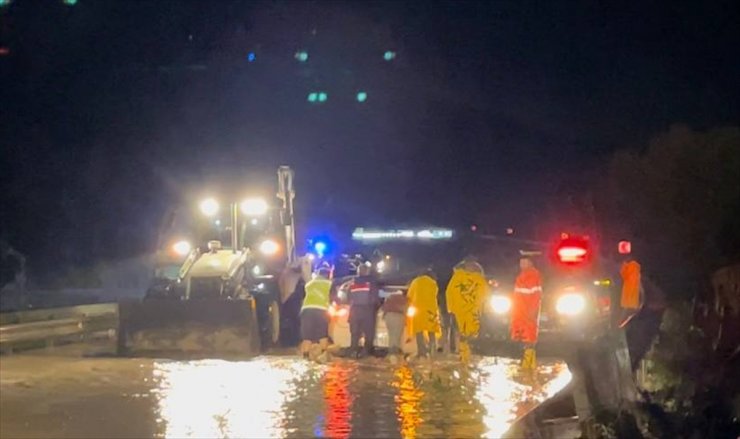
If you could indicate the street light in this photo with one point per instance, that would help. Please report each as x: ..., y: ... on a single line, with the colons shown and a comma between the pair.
x: 254, y: 207
x: 209, y: 207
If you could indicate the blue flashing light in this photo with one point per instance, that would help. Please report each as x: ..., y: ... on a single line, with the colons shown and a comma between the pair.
x: 320, y: 247
x: 251, y: 57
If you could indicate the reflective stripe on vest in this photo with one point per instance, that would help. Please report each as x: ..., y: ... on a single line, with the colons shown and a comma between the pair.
x: 528, y: 290
x: 360, y: 287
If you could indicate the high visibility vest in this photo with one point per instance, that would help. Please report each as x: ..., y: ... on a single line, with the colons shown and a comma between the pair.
x: 631, y: 285
x: 317, y: 294
x: 528, y: 282
x: 525, y: 306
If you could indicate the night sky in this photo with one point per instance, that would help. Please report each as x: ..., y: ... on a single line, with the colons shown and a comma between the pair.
x: 112, y: 111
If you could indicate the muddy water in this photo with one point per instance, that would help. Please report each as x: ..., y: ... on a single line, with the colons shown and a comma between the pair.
x: 272, y: 396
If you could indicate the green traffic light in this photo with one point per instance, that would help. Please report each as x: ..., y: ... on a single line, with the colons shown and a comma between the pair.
x: 70, y: 2
x: 361, y: 96
x: 5, y: 3
x: 389, y: 55
x: 301, y: 56
x: 312, y: 97
x: 323, y: 97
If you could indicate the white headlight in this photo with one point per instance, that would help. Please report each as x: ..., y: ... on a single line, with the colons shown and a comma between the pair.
x: 500, y: 304
x: 380, y: 266
x: 181, y: 248
x: 209, y: 207
x: 254, y: 207
x: 570, y: 304
x: 256, y: 270
x: 269, y: 247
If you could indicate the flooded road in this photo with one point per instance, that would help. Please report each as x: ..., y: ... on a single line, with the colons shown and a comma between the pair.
x: 270, y: 396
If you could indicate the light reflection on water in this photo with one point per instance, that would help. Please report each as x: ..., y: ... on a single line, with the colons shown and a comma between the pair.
x: 215, y: 398
x: 288, y: 397
x: 338, y: 401
x: 407, y: 402
x: 506, y: 397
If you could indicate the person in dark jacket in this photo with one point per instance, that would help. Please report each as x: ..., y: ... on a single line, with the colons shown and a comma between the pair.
x: 363, y: 307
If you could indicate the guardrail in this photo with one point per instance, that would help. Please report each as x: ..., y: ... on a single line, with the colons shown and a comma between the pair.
x: 45, y: 327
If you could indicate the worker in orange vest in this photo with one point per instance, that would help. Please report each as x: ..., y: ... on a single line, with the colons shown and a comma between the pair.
x: 631, y: 299
x: 525, y: 311
x: 632, y: 295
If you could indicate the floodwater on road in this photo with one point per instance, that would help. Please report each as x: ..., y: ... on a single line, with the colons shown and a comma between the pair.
x: 269, y: 396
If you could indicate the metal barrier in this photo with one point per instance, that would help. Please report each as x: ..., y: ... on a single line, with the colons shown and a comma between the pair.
x: 25, y: 329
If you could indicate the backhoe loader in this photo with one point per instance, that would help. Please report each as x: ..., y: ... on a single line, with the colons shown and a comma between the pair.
x: 227, y: 295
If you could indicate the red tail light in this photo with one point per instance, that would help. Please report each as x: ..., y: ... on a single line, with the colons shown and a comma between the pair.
x: 573, y: 250
x: 572, y: 254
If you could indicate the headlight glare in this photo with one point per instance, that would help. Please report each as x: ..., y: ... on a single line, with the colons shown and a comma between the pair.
x: 570, y: 304
x: 209, y: 206
x: 181, y: 248
x: 269, y: 247
x: 254, y: 206
x: 500, y: 304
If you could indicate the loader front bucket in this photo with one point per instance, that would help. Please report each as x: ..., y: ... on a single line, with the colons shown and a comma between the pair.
x: 188, y: 329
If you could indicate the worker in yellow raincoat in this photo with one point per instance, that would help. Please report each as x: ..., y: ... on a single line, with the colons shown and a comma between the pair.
x: 424, y: 312
x: 465, y: 294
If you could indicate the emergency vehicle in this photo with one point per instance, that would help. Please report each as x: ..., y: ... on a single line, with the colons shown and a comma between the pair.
x: 576, y: 299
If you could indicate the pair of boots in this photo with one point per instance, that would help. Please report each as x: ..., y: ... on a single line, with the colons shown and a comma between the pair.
x: 529, y: 359
x: 314, y: 351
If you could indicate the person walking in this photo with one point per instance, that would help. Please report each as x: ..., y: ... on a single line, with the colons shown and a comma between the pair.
x: 424, y: 311
x: 525, y: 311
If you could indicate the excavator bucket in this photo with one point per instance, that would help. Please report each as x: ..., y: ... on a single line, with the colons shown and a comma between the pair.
x: 188, y: 329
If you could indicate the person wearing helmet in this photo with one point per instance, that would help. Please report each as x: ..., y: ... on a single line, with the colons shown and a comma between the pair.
x: 314, y: 314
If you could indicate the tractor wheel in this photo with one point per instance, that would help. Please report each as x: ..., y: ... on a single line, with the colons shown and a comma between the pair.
x: 268, y: 317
